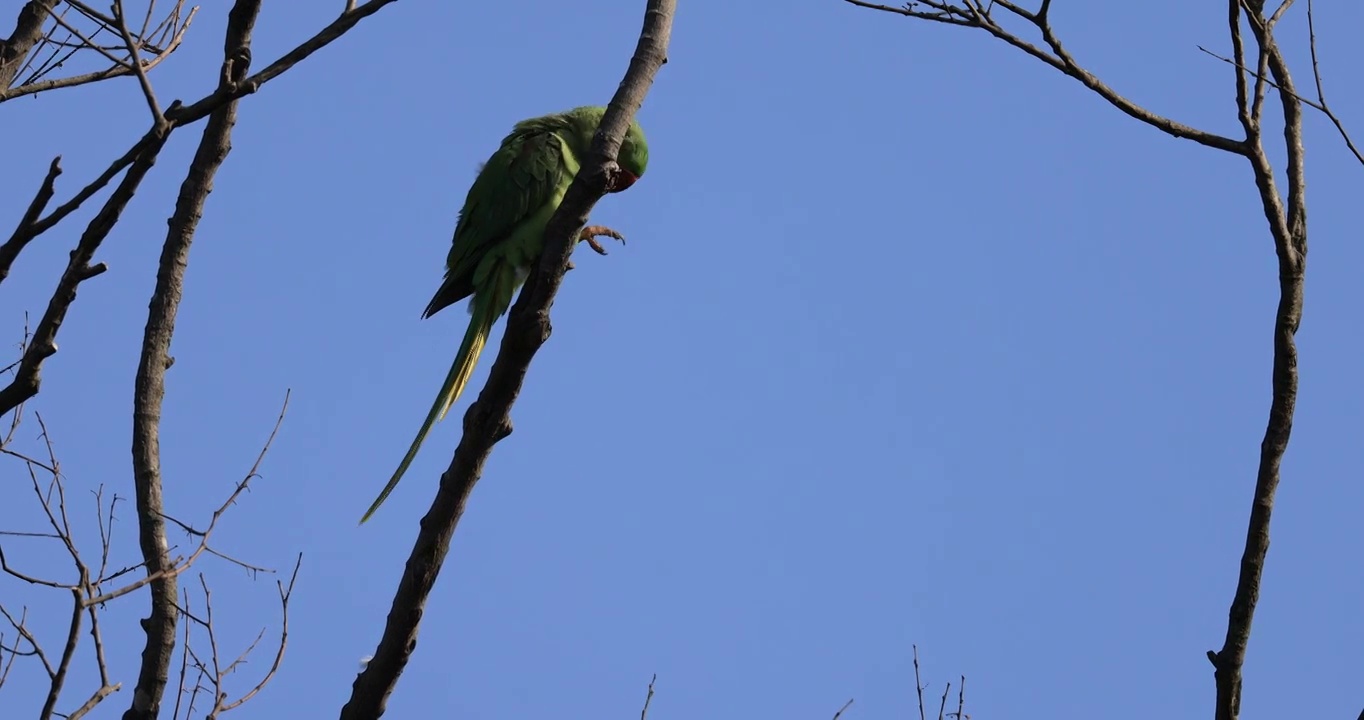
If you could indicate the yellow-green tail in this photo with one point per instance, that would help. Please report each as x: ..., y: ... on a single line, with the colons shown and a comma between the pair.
x: 474, y: 338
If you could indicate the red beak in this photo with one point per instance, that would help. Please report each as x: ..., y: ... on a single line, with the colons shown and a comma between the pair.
x: 624, y: 179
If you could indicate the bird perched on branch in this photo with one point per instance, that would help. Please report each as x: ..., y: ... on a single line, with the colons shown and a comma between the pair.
x: 500, y: 233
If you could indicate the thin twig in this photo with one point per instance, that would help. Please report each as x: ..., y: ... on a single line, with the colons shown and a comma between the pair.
x: 201, y: 108
x: 99, y: 695
x: 73, y: 637
x: 918, y: 684
x: 87, y: 42
x: 1319, y: 104
x: 1321, y: 93
x: 177, y: 566
x: 135, y: 60
x: 21, y: 626
x: 33, y: 86
x: 1286, y: 216
x: 12, y: 247
x: 285, y: 592
x: 1060, y: 59
x: 644, y: 714
x: 28, y: 377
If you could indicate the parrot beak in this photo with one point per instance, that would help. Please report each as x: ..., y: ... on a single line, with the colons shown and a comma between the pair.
x: 624, y: 179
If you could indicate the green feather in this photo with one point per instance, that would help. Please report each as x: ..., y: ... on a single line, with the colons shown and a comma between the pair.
x: 500, y: 233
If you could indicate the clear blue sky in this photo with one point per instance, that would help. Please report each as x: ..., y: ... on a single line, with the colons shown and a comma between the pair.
x: 914, y: 341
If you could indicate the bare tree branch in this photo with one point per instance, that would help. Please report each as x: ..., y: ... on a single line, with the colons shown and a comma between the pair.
x: 1288, y: 226
x: 1320, y: 104
x: 150, y: 385
x: 644, y: 713
x: 144, y: 47
x: 94, y: 701
x: 12, y: 247
x: 174, y: 27
x: 124, y: 56
x: 135, y: 61
x: 488, y: 419
x: 83, y: 588
x: 232, y: 85
x: 1285, y: 213
x: 1058, y: 58
x: 325, y: 36
x: 285, y: 592
x: 1262, y: 77
x: 87, y: 42
x: 28, y: 377
x: 27, y: 32
x: 21, y: 626
x: 918, y: 683
x: 68, y: 652
x: 31, y: 226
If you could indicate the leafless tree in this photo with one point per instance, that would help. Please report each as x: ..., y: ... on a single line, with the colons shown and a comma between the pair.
x: 1260, y: 70
x: 60, y: 45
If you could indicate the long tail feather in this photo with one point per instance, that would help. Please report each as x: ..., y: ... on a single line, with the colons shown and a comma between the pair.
x: 455, y: 380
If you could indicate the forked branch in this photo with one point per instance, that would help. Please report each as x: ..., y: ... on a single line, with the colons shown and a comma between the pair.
x: 48, y: 38
x: 1284, y: 210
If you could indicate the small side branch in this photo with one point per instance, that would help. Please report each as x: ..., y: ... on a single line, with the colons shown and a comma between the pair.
x: 644, y: 713
x: 9, y: 252
x: 25, y: 64
x: 27, y: 378
x: 135, y: 62
x: 1285, y: 213
x: 973, y: 15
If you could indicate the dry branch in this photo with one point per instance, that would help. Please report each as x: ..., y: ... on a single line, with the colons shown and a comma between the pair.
x: 232, y: 86
x: 28, y: 377
x: 1285, y: 213
x: 31, y: 225
x: 338, y: 27
x: 136, y: 52
x: 28, y: 31
x: 149, y: 387
x: 124, y: 57
x: 87, y: 590
x: 644, y: 713
x: 211, y: 672
x: 9, y: 252
x: 487, y: 420
x: 84, y: 587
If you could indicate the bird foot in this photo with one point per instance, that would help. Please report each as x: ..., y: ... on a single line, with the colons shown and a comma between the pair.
x: 590, y: 234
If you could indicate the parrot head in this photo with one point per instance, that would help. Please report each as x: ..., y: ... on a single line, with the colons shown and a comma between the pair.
x: 633, y: 158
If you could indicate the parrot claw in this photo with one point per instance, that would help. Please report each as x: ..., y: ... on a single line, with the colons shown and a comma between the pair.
x: 590, y: 234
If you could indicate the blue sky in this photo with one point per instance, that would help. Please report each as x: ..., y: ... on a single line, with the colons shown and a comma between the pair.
x: 914, y: 341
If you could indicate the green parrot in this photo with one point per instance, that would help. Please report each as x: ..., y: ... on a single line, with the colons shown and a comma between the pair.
x: 501, y: 230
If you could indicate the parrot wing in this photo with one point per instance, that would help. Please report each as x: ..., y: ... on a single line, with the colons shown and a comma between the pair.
x: 532, y: 168
x: 500, y: 229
